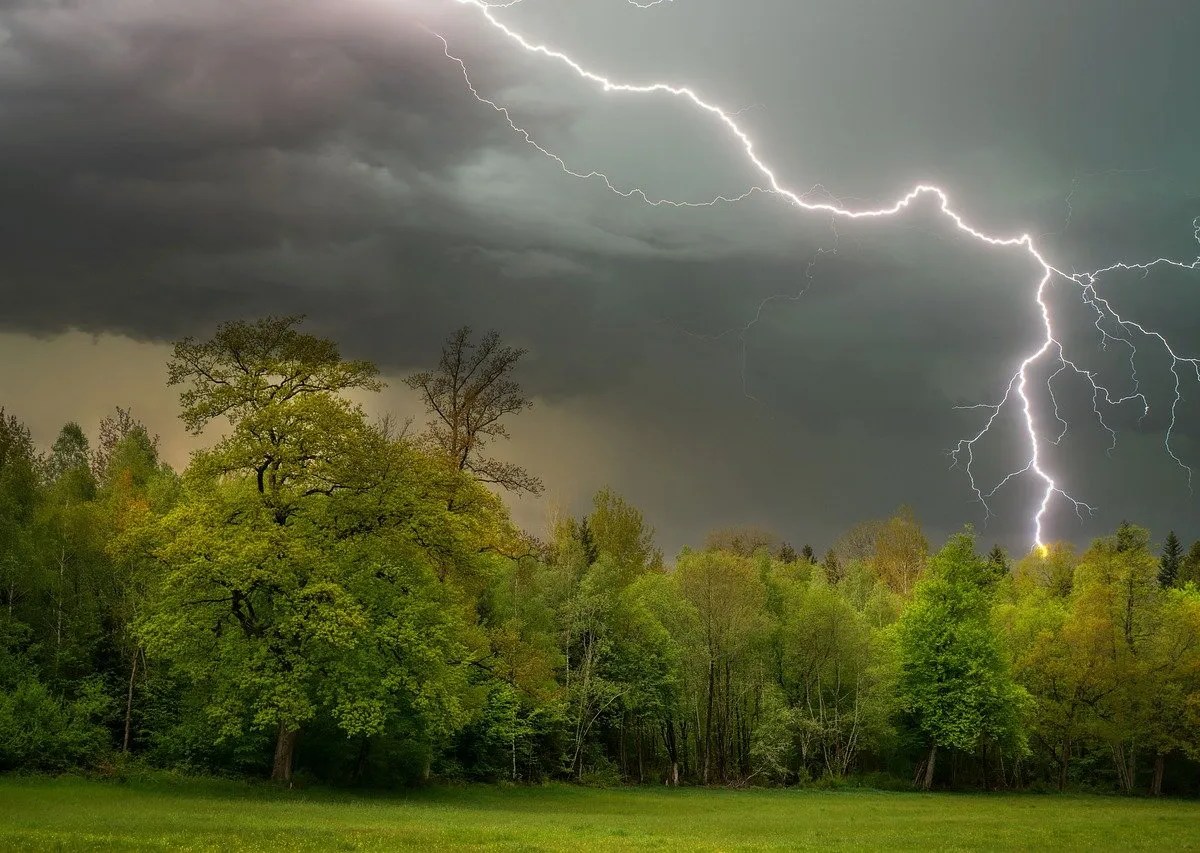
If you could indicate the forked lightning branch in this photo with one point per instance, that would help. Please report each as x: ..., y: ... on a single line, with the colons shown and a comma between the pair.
x: 1044, y: 425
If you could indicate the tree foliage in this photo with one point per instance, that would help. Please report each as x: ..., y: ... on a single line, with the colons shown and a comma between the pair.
x: 954, y: 680
x: 317, y: 593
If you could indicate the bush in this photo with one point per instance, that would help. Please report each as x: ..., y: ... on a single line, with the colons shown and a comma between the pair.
x: 880, y: 781
x: 39, y: 731
x: 600, y: 772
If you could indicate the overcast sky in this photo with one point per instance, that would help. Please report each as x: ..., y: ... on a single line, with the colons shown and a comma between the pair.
x: 169, y: 164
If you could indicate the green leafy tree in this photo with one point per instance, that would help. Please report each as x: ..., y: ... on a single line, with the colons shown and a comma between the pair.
x: 282, y: 393
x: 837, y: 676
x: 673, y: 626
x: 288, y: 590
x: 68, y: 465
x: 136, y: 490
x: 18, y: 502
x: 593, y: 689
x: 618, y: 529
x: 1051, y: 568
x: 74, y: 568
x: 115, y: 429
x: 1189, y: 566
x: 728, y: 596
x: 1064, y: 656
x: 1120, y: 576
x: 954, y: 680
x: 900, y: 551
x: 1171, y: 662
x: 648, y: 661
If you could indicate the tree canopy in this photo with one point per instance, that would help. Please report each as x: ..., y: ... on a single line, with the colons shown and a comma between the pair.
x: 318, y: 593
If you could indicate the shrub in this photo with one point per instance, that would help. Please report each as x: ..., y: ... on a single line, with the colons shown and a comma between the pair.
x: 39, y: 731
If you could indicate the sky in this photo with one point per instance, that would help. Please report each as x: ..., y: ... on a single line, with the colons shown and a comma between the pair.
x: 170, y: 164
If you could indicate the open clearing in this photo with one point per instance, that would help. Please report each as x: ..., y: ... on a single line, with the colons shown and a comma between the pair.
x: 41, y: 813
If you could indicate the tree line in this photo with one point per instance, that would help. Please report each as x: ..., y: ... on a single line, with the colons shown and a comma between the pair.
x: 323, y: 595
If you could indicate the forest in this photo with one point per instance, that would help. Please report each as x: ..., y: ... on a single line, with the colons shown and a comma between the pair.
x: 325, y: 597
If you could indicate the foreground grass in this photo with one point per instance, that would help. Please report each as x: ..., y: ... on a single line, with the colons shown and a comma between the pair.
x: 40, y: 813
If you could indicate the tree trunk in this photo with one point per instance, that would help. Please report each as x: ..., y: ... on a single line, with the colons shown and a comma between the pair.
x: 62, y: 562
x: 708, y: 719
x: 927, y: 783
x: 641, y: 769
x: 360, y: 763
x: 285, y: 749
x: 1065, y: 764
x: 1160, y: 764
x: 623, y: 746
x: 1124, y: 761
x: 673, y: 749
x: 684, y: 753
x: 129, y: 702
x: 727, y: 736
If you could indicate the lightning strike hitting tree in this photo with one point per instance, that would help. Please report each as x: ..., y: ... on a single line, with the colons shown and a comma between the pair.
x: 1111, y: 326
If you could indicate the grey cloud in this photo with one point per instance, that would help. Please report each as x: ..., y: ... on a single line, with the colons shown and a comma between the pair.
x: 167, y: 165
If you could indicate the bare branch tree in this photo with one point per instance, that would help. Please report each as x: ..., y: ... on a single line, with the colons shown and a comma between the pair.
x: 468, y: 395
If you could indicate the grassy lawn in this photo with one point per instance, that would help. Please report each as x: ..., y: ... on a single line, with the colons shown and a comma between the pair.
x: 38, y: 814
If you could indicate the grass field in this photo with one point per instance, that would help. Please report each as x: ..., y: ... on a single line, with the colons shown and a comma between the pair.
x: 39, y: 814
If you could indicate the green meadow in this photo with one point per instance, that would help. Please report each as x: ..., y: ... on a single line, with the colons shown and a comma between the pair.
x: 75, y: 814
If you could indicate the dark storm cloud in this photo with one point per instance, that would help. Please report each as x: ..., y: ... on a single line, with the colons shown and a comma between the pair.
x: 169, y: 165
x: 152, y: 156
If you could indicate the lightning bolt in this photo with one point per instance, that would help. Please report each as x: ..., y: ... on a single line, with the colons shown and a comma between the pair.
x: 1017, y: 392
